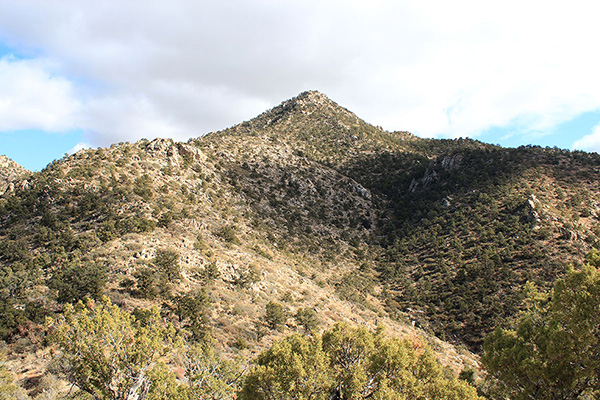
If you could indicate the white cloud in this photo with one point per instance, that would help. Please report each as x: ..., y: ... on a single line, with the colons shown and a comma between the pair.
x: 78, y: 147
x: 31, y: 98
x: 589, y: 142
x: 437, y: 68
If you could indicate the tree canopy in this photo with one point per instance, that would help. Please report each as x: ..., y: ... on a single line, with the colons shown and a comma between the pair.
x: 112, y: 354
x: 553, y: 352
x: 350, y: 363
x: 106, y: 352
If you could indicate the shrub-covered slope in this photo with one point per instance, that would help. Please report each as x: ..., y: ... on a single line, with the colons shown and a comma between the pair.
x: 460, y: 225
x: 306, y: 207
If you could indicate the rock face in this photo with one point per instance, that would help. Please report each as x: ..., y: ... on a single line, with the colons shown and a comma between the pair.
x: 10, y: 172
x: 434, y: 171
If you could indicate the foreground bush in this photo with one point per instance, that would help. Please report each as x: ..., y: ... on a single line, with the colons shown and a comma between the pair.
x: 106, y: 352
x: 111, y: 354
x: 350, y: 363
x: 553, y: 352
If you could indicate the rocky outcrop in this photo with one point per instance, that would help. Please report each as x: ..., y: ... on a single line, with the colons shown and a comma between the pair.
x: 171, y: 152
x: 434, y: 170
x: 531, y: 205
x: 10, y: 174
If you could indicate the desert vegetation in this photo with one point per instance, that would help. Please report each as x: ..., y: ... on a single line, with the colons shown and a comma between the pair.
x: 247, y: 257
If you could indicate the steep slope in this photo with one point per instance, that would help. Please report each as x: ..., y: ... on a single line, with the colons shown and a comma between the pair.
x: 249, y: 221
x: 80, y: 210
x: 462, y: 225
x: 476, y: 225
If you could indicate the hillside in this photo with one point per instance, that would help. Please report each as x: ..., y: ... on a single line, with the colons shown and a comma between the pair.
x: 305, y: 205
x: 455, y: 220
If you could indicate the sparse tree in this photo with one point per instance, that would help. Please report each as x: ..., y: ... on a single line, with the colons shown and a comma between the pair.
x: 191, y: 309
x: 247, y: 277
x: 275, y: 315
x: 158, y: 278
x: 77, y: 280
x: 307, y: 318
x: 167, y: 263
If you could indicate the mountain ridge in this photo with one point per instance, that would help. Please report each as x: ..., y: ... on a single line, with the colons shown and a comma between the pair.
x: 308, y: 206
x: 406, y: 177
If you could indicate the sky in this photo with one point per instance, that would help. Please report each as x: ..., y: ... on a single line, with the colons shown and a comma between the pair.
x: 82, y: 73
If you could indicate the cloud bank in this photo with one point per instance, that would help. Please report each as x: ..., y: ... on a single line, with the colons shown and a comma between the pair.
x: 125, y: 70
x: 31, y: 96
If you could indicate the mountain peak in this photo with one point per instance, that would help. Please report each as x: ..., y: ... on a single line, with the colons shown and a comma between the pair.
x: 312, y: 120
x: 310, y: 106
x: 312, y: 100
x: 307, y: 104
x: 313, y: 96
x: 8, y: 164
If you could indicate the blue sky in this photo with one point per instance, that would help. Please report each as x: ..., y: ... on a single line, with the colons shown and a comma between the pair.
x: 563, y: 135
x: 34, y: 149
x: 79, y: 74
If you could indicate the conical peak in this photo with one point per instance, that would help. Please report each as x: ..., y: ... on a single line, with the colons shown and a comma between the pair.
x: 309, y: 108
x: 312, y: 95
x: 312, y: 98
x: 310, y: 101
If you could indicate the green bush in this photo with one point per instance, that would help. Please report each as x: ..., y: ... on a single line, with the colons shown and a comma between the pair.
x: 247, y: 277
x: 158, y: 278
x: 553, y: 351
x: 350, y: 363
x: 9, y: 389
x: 166, y: 263
x: 227, y: 233
x: 210, y: 273
x: 148, y: 283
x: 143, y: 187
x: 77, y: 280
x: 307, y: 318
x: 192, y: 311
x: 108, y: 353
x: 275, y: 315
